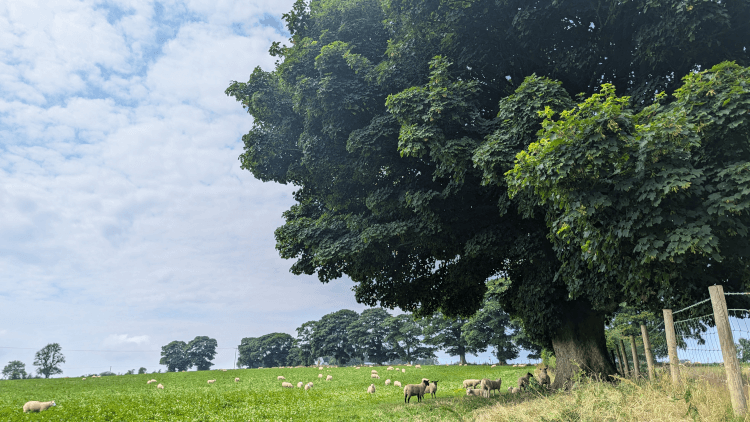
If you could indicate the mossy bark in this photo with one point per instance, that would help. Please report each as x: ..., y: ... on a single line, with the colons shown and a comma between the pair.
x: 580, y: 345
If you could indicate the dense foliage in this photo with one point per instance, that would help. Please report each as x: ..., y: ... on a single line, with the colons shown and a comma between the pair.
x: 48, y: 360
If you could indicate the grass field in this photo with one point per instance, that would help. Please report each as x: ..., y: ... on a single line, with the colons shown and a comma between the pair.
x: 257, y: 397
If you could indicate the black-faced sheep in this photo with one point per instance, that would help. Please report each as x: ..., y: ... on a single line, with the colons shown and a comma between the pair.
x: 371, y: 389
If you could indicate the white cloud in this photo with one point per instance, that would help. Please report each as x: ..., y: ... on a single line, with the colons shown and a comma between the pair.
x: 121, y: 339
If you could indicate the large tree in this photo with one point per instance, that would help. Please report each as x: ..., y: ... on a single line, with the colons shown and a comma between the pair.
x: 331, y: 336
x: 175, y: 357
x: 48, y: 360
x: 304, y: 342
x: 448, y: 334
x: 15, y: 370
x: 201, y: 351
x: 407, y: 197
x: 405, y: 336
x: 368, y: 334
x: 266, y: 351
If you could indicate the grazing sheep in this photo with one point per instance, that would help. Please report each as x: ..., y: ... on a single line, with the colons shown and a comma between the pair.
x: 431, y: 389
x: 415, y: 390
x: 211, y: 381
x: 390, y: 368
x: 544, y: 378
x: 286, y: 385
x: 328, y: 378
x: 473, y: 392
x: 150, y: 381
x: 223, y: 370
x: 493, y: 366
x: 513, y: 390
x: 403, y: 371
x: 320, y: 368
x: 515, y: 365
x: 299, y: 384
x: 489, y: 385
x: 356, y: 367
x: 236, y: 380
x: 471, y: 383
x: 371, y: 389
x: 388, y: 382
x: 83, y: 379
x: 160, y: 387
x: 320, y: 375
x: 280, y: 378
x: 37, y: 406
x: 417, y: 366
x: 373, y: 372
x: 310, y: 384
x: 308, y: 387
x: 375, y: 376
x: 397, y: 383
x: 523, y: 382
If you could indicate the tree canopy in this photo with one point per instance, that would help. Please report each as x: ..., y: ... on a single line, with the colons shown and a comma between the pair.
x: 201, y: 351
x: 48, y: 359
x: 15, y: 370
x: 397, y: 120
x: 174, y: 356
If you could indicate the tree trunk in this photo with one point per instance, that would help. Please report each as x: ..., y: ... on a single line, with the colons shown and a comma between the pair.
x: 580, y: 343
x: 463, y: 358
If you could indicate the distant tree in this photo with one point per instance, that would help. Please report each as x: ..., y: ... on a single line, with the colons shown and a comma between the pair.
x: 295, y: 357
x: 142, y: 370
x: 201, y: 351
x: 130, y: 372
x: 448, y: 335
x: 174, y: 356
x: 743, y: 350
x: 268, y: 350
x: 331, y: 337
x: 15, y: 370
x: 250, y: 354
x: 490, y: 326
x: 627, y: 321
x: 304, y: 342
x: 368, y: 334
x: 405, y: 336
x: 48, y: 359
x: 107, y: 374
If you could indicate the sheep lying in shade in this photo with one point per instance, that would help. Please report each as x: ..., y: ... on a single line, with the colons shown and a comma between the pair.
x: 328, y: 378
x: 544, y: 378
x: 286, y: 385
x: 415, y: 390
x: 211, y: 381
x: 431, y: 389
x: 489, y: 385
x: 37, y: 406
x: 397, y: 383
x: 471, y: 383
x: 523, y: 382
x: 160, y: 387
x: 513, y: 390
x: 473, y: 392
x: 371, y: 389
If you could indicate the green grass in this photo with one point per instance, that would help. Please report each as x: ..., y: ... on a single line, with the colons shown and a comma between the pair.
x: 257, y: 397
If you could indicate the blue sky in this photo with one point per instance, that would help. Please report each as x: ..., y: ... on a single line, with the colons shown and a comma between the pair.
x: 126, y: 221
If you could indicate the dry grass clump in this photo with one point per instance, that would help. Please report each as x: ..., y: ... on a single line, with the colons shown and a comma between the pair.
x: 693, y: 400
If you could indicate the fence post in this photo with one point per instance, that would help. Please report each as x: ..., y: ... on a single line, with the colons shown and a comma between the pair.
x: 728, y: 350
x: 674, y: 362
x: 624, y: 359
x: 636, y: 364
x: 649, y: 353
x: 616, y: 361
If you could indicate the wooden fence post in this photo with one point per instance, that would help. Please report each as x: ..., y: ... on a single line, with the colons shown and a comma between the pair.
x: 614, y: 360
x: 674, y: 362
x: 636, y: 364
x: 649, y: 353
x: 619, y: 359
x: 624, y: 359
x: 728, y: 350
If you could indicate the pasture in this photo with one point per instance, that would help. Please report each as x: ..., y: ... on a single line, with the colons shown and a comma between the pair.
x: 257, y: 397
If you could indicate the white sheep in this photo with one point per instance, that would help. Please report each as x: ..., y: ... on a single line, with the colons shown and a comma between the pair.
x: 223, y: 370
x: 415, y: 390
x: 403, y: 371
x: 320, y: 375
x: 299, y: 384
x: 489, y: 385
x: 493, y: 366
x: 397, y: 383
x: 373, y: 372
x: 390, y: 368
x: 513, y: 390
x: 328, y: 378
x: 236, y: 380
x: 320, y: 368
x: 286, y: 385
x: 471, y: 383
x: 211, y: 381
x: 431, y: 388
x: 150, y: 381
x: 375, y: 376
x: 371, y: 389
x: 473, y: 392
x: 160, y: 387
x: 37, y: 406
x: 388, y: 382
x: 280, y: 378
x: 83, y: 379
x: 310, y: 384
x: 417, y: 366
x: 308, y: 387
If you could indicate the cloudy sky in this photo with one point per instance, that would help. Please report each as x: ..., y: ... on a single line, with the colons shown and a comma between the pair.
x: 125, y: 220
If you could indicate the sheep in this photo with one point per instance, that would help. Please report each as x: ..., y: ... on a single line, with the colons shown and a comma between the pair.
x: 431, y: 389
x: 83, y: 379
x: 223, y: 370
x: 493, y: 366
x: 308, y: 387
x: 489, y: 385
x: 523, y: 382
x: 473, y: 392
x: 390, y: 368
x: 328, y: 378
x: 211, y: 381
x: 320, y: 375
x: 544, y: 378
x: 310, y: 384
x: 513, y: 390
x: 150, y: 381
x: 356, y: 367
x: 371, y: 389
x: 415, y: 390
x: 403, y: 371
x: 236, y: 380
x: 37, y: 406
x: 280, y: 378
x: 320, y: 368
x: 471, y: 383
x: 417, y: 366
x: 388, y: 382
x: 160, y: 387
x: 375, y: 376
x: 397, y: 383
x: 286, y: 385
x: 299, y: 384
x: 373, y: 372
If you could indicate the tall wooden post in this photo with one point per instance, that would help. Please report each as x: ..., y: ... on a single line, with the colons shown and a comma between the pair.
x: 649, y: 353
x: 728, y: 350
x: 616, y: 361
x: 624, y: 359
x: 674, y: 362
x: 636, y: 364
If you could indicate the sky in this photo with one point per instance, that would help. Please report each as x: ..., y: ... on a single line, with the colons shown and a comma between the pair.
x: 125, y: 219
